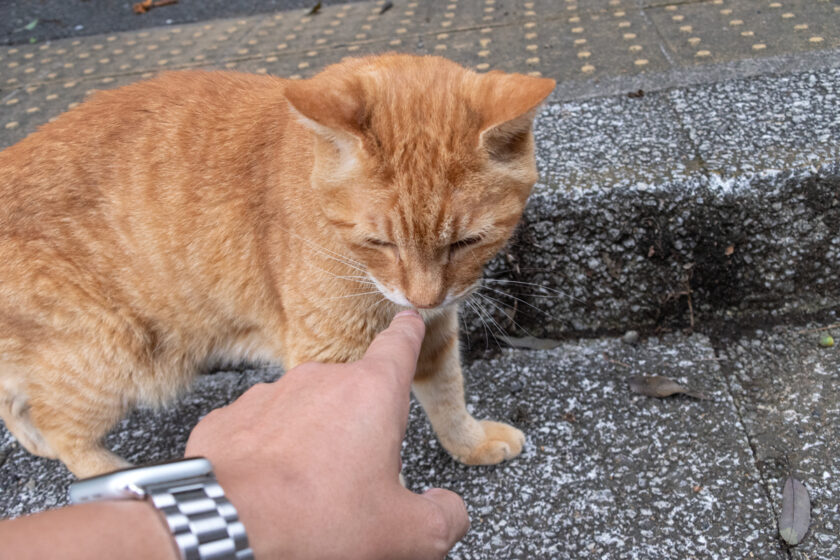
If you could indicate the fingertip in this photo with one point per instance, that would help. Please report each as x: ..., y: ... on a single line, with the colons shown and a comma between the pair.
x: 412, y: 318
x: 408, y: 313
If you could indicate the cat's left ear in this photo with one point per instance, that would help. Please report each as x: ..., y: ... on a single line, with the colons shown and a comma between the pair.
x: 508, y: 104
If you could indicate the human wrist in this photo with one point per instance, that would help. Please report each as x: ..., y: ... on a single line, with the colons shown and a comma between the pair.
x: 129, y: 530
x: 144, y: 521
x: 202, y: 521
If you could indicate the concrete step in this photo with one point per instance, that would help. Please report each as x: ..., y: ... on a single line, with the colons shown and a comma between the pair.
x: 606, y: 473
x: 711, y: 193
x: 695, y: 202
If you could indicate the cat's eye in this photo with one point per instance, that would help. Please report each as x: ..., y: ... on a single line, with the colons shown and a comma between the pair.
x: 378, y: 242
x: 465, y: 242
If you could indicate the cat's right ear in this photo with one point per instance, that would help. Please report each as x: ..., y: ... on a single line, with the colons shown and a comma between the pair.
x: 327, y: 106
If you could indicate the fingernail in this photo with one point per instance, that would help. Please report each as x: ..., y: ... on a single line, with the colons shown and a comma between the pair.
x: 407, y: 313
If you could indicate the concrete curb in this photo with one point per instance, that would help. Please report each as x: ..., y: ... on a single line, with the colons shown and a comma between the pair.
x: 728, y: 193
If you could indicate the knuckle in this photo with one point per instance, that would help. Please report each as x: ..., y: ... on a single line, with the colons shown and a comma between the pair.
x: 439, y: 535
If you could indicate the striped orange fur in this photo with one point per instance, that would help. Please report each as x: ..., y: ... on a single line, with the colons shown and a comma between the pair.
x: 199, y: 217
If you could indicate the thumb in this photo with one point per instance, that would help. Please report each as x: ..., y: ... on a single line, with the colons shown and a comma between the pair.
x: 449, y: 520
x: 394, y: 351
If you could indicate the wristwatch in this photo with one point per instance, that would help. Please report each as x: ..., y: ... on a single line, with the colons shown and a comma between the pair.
x: 203, y: 522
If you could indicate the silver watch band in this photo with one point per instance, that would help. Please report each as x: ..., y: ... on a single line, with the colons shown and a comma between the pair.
x: 204, y: 523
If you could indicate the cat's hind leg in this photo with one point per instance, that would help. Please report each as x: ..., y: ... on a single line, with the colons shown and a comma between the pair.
x: 439, y: 386
x: 14, y: 411
x: 73, y: 420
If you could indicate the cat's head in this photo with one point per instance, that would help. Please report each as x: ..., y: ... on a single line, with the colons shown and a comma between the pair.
x: 421, y: 167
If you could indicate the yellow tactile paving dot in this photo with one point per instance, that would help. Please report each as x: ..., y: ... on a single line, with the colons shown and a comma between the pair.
x: 572, y: 47
x: 464, y: 14
x: 525, y: 35
x: 23, y: 110
x: 333, y: 25
x: 121, y: 53
x: 731, y: 30
x: 564, y: 39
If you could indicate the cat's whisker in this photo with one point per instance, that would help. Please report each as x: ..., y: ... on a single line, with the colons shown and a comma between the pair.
x: 359, y: 279
x: 358, y: 294
x: 534, y: 285
x: 483, y: 322
x: 520, y: 300
x: 462, y: 322
x: 379, y: 302
x: 494, y: 303
x: 482, y: 314
x: 344, y: 259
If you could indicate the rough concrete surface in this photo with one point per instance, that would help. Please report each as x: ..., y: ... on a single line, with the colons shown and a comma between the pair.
x: 714, y: 195
x: 727, y: 192
x: 606, y: 473
x: 787, y: 389
x: 711, y: 197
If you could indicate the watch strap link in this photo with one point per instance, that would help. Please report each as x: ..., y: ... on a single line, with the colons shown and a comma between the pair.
x: 203, y: 522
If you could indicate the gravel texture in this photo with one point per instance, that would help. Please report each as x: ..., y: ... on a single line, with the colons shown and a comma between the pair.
x: 787, y: 388
x: 606, y: 473
x: 703, y: 202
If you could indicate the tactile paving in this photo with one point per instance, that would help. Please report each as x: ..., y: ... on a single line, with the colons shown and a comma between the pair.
x: 564, y: 39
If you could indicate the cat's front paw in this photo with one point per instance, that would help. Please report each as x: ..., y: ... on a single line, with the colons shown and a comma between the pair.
x: 500, y: 442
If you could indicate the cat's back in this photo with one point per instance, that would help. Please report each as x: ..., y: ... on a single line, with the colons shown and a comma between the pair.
x: 178, y: 120
x: 109, y: 197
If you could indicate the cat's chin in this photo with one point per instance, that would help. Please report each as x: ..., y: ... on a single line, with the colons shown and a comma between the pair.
x: 435, y: 312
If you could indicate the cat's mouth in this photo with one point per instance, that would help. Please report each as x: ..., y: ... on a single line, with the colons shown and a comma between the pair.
x: 397, y: 297
x: 394, y: 296
x: 451, y: 299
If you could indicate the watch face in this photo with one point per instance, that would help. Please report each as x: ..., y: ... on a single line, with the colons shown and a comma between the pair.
x: 130, y: 482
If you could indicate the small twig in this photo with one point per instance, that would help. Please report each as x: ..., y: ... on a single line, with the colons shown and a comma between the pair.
x: 826, y: 328
x: 688, y: 291
x: 606, y: 357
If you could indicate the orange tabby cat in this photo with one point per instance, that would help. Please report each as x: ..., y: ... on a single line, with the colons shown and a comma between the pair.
x: 198, y: 216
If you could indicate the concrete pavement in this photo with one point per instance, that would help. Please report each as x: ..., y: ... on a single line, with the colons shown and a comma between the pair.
x: 706, y: 203
x: 606, y: 473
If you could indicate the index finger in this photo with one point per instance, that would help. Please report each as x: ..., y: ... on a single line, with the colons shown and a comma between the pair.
x: 395, y: 350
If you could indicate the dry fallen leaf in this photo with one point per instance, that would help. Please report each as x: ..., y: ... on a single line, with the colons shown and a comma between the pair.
x: 146, y: 5
x: 729, y: 250
x: 315, y: 9
x: 796, y: 512
x: 659, y: 386
x: 531, y: 343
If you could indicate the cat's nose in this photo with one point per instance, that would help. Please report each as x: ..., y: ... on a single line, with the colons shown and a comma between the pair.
x: 425, y: 287
x: 426, y: 303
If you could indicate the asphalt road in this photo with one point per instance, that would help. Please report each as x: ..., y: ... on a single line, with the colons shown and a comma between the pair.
x: 36, y: 21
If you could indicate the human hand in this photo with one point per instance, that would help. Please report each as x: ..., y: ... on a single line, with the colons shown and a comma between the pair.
x: 311, y: 462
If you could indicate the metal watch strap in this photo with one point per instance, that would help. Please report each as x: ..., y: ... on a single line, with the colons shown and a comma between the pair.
x: 204, y: 523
